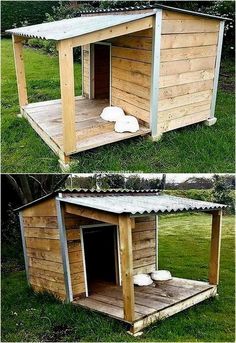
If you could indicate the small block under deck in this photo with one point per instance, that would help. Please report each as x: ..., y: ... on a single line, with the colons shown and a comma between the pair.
x: 151, y: 303
x: 91, y: 130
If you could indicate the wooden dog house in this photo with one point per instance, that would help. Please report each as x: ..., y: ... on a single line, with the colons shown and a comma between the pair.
x: 158, y: 63
x: 85, y: 247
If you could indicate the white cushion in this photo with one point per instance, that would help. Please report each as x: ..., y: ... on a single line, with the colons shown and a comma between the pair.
x: 112, y: 113
x: 127, y: 124
x: 142, y: 280
x: 161, y: 275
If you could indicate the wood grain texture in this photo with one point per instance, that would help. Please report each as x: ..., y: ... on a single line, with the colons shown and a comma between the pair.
x: 20, y: 70
x: 214, y: 267
x: 125, y: 232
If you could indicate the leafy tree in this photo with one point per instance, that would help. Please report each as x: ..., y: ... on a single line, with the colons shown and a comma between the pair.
x: 221, y: 193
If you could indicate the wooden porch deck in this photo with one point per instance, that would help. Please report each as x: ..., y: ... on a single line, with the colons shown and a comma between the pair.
x: 91, y: 130
x: 152, y: 303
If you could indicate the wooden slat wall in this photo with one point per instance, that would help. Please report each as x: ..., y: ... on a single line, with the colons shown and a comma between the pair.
x: 43, y: 248
x: 131, y: 73
x: 144, y: 245
x: 188, y: 54
x: 86, y: 67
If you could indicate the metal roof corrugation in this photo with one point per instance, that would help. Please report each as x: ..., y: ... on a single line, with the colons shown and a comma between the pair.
x: 150, y: 204
x: 149, y: 6
x: 80, y: 191
x: 74, y: 27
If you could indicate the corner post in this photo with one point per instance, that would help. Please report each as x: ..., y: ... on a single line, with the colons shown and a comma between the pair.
x: 24, y: 247
x: 66, y: 65
x: 155, y: 73
x: 125, y: 230
x: 214, y: 266
x: 20, y: 70
x: 212, y: 119
x: 64, y: 251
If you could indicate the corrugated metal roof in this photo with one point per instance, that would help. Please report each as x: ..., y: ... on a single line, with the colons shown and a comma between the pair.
x: 138, y: 205
x: 83, y: 191
x: 74, y: 27
x: 149, y: 7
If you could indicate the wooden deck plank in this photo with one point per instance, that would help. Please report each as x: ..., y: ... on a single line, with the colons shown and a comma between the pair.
x: 91, y: 130
x: 167, y: 298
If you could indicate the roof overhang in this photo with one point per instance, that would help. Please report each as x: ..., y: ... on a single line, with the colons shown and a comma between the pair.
x: 136, y: 205
x: 85, y: 30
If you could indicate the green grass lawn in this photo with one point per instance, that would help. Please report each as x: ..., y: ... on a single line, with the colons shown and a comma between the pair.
x: 183, y: 249
x: 196, y: 148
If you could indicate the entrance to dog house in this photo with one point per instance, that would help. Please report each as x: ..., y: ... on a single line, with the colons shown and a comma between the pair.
x: 101, y: 255
x: 101, y: 74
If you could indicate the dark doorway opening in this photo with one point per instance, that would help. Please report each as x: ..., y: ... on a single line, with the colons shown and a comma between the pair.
x: 101, y: 255
x: 101, y: 71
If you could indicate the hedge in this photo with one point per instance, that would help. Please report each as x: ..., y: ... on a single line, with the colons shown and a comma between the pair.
x: 18, y: 13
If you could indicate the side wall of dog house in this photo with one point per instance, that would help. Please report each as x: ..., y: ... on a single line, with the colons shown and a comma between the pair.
x: 43, y: 249
x: 187, y: 63
x: 85, y: 57
x: 131, y: 73
x: 144, y: 245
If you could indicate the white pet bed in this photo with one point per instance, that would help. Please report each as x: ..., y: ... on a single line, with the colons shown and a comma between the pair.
x: 112, y: 113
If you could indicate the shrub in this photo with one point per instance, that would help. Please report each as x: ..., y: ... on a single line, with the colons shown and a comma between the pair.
x: 18, y: 13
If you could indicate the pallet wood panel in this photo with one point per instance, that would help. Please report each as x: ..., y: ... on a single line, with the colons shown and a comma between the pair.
x: 144, y: 244
x: 151, y: 303
x: 189, y: 26
x: 86, y: 70
x: 184, y: 40
x: 91, y: 130
x: 131, y: 65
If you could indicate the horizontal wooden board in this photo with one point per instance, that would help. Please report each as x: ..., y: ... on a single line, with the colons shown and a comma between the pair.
x: 142, y: 253
x: 131, y: 109
x: 133, y: 42
x: 78, y: 288
x: 179, y: 40
x: 144, y: 261
x: 188, y: 88
x: 46, y: 265
x: 74, y: 246
x: 184, y: 121
x: 75, y: 256
x: 151, y: 243
x: 182, y: 111
x: 73, y: 234
x: 41, y: 233
x: 134, y: 66
x: 189, y: 26
x: 130, y: 76
x: 77, y: 278
x: 58, y: 295
x: 76, y: 267
x: 45, y: 255
x: 131, y: 98
x: 44, y: 209
x: 187, y: 53
x: 43, y: 244
x: 132, y: 54
x: 126, y: 86
x: 184, y: 66
x: 43, y: 222
x: 47, y: 284
x: 139, y: 236
x: 145, y: 269
x: 182, y: 78
x: 144, y: 33
x: 182, y: 100
x: 47, y: 274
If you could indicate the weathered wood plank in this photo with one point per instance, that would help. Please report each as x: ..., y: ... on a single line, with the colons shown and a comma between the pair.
x: 173, y: 41
x: 125, y: 232
x: 43, y: 244
x: 46, y: 265
x: 214, y: 267
x: 182, y: 78
x: 45, y: 255
x: 132, y: 54
x: 47, y: 208
x: 41, y: 233
x: 168, y: 55
x: 190, y: 26
x: 185, y: 66
x: 188, y: 88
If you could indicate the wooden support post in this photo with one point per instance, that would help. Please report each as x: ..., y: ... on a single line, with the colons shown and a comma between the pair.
x: 215, y: 248
x: 66, y: 64
x: 20, y: 69
x: 125, y: 230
